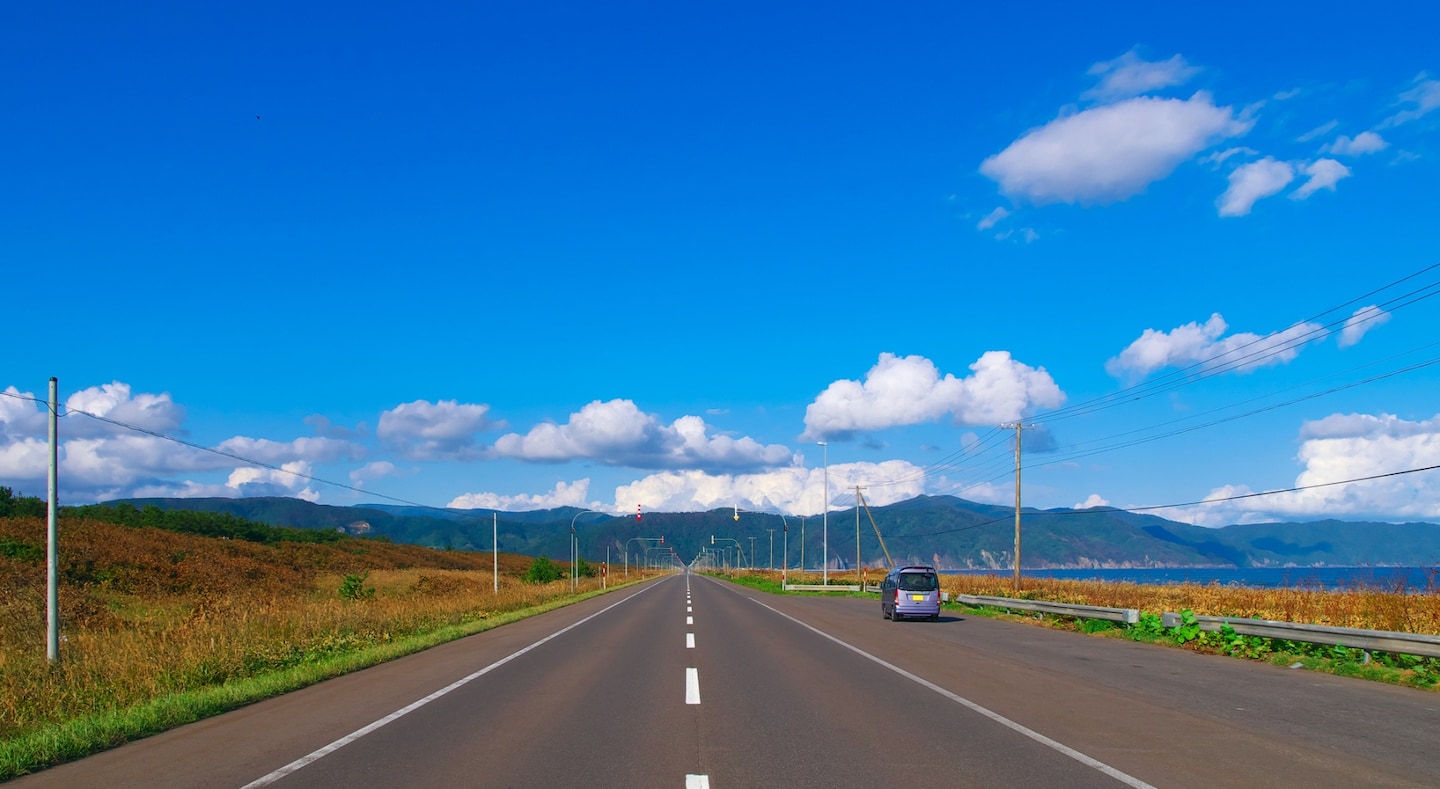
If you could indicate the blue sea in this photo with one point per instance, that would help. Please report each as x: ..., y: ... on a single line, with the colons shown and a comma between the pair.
x: 1406, y: 579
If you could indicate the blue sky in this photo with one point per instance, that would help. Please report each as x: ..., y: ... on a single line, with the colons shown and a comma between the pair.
x: 524, y: 255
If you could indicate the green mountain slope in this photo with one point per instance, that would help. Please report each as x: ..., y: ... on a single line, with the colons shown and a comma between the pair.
x: 942, y: 530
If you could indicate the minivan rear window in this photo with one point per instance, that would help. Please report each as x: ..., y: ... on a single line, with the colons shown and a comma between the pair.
x: 919, y: 582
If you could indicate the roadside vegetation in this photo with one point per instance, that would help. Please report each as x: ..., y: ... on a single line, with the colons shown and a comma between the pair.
x: 162, y: 626
x: 1399, y: 609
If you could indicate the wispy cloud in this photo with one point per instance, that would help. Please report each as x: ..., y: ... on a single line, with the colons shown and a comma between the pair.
x: 1422, y: 99
x: 1324, y: 174
x: 1130, y: 75
x: 992, y: 218
x: 1319, y: 131
x: 1252, y: 182
x: 1364, y: 319
x: 1362, y: 143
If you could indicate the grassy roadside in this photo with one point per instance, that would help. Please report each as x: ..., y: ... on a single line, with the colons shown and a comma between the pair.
x: 1398, y: 609
x: 78, y: 737
x: 160, y: 628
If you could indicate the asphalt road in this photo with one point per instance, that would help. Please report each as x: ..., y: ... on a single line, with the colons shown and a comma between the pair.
x: 690, y: 682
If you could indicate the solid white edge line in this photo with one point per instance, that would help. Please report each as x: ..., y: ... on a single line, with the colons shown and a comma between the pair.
x: 1088, y: 761
x: 689, y: 640
x: 692, y: 686
x: 272, y: 777
x: 697, y: 782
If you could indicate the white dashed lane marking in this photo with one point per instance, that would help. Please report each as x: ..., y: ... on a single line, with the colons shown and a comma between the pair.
x: 692, y: 686
x: 689, y: 640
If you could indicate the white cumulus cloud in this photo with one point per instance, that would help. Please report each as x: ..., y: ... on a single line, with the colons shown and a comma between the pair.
x: 316, y: 450
x: 21, y: 416
x: 1092, y: 501
x: 618, y: 433
x: 290, y: 480
x: 116, y: 401
x: 909, y: 390
x: 1112, y: 152
x: 1363, y: 143
x: 1364, y: 319
x: 1345, y: 447
x: 25, y: 461
x: 1130, y: 75
x: 564, y: 494
x: 370, y: 472
x: 445, y: 430
x: 1253, y: 181
x: 1195, y: 343
x: 1324, y: 174
x: 793, y: 490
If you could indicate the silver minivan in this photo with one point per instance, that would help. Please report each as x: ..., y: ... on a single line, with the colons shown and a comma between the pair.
x: 913, y: 590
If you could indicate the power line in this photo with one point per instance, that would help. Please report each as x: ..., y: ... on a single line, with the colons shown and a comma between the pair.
x: 1198, y: 371
x: 1153, y: 507
x: 224, y: 454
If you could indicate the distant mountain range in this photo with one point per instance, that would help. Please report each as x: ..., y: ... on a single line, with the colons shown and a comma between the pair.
x: 943, y: 530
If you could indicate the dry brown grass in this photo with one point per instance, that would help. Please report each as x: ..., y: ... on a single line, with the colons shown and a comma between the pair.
x: 1370, y: 609
x: 146, y: 612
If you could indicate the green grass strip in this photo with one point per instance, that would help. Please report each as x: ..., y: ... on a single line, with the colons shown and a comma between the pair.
x: 80, y: 737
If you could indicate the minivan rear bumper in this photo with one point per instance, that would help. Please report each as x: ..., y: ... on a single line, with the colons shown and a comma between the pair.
x: 928, y: 607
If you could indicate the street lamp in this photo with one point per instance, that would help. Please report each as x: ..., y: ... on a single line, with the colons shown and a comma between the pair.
x: 738, y: 548
x: 574, y: 549
x: 825, y: 532
x: 627, y: 549
x: 784, y: 553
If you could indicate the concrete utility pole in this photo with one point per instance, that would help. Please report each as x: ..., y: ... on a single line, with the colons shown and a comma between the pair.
x: 771, y: 566
x: 825, y: 520
x: 52, y: 557
x: 752, y: 553
x: 1018, y: 427
x: 858, y: 488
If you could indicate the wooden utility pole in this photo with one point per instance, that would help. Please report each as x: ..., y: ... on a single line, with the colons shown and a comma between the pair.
x: 1018, y: 427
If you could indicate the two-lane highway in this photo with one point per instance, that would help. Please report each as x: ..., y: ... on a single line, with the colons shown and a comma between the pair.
x: 688, y: 681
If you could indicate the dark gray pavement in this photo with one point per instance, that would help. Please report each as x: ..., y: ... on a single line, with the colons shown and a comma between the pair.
x: 603, y: 704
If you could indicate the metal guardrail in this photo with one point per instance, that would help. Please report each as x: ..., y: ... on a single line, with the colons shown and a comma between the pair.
x: 1373, y: 640
x: 822, y: 588
x: 1129, y: 616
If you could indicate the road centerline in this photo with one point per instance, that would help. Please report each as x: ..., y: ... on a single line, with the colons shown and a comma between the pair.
x: 692, y: 686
